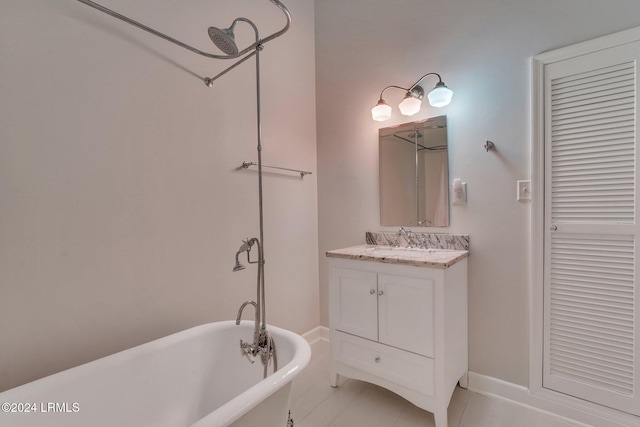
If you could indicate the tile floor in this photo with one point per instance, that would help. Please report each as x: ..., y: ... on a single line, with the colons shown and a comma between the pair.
x: 314, y: 403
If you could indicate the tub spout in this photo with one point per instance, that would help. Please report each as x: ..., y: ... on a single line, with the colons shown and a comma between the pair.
x: 244, y: 304
x: 248, y: 350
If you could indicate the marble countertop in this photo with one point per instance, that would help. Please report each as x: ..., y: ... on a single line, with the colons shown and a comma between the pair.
x: 434, y: 258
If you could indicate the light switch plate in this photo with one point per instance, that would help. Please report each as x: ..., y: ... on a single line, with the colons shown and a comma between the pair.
x: 524, y: 190
x: 459, y: 192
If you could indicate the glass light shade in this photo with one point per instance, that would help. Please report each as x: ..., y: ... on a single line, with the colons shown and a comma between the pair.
x: 440, y: 95
x: 410, y: 106
x: 381, y: 112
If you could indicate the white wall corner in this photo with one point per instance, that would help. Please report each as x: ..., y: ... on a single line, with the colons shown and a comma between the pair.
x: 319, y: 333
x: 490, y: 386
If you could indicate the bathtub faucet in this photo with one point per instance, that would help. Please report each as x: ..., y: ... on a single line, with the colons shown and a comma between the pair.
x: 246, y: 350
x: 263, y: 344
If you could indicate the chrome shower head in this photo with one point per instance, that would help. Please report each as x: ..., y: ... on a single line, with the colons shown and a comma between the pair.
x: 224, y: 39
x: 238, y: 266
x: 415, y: 134
x: 246, y: 247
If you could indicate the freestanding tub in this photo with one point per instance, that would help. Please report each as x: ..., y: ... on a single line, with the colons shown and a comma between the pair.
x: 196, y: 378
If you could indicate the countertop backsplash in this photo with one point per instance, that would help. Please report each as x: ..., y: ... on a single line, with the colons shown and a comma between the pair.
x: 458, y: 242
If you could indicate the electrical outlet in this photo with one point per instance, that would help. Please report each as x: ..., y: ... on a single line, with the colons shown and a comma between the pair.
x: 524, y: 190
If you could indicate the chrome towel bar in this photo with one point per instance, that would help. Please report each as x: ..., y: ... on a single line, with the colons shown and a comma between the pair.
x: 302, y: 173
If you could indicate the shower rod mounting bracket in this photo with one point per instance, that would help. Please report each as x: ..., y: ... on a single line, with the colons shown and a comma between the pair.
x: 489, y: 145
x: 259, y: 47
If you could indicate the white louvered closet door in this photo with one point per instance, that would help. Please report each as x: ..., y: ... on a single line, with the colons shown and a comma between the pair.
x: 592, y: 308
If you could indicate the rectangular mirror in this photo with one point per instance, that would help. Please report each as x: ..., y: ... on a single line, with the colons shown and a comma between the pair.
x: 414, y: 174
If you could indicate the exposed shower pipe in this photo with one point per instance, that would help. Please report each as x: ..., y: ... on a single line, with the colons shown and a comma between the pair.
x: 261, y: 286
x: 263, y: 344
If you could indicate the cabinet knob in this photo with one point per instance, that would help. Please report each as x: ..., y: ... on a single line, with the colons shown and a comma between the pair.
x: 372, y: 291
x: 377, y: 359
x: 381, y: 293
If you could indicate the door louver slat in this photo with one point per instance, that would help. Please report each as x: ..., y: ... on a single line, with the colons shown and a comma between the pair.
x: 592, y: 330
x: 597, y: 155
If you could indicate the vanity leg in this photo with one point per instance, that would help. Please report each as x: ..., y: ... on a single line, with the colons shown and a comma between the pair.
x: 440, y: 418
x: 334, y: 378
x: 464, y: 380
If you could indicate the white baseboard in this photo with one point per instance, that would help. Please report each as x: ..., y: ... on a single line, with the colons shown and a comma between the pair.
x: 563, y: 407
x: 494, y: 387
x: 317, y: 334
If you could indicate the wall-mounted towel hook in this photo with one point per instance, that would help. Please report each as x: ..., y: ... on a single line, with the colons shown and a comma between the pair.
x: 489, y: 146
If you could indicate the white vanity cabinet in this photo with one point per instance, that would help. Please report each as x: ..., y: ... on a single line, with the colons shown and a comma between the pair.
x: 400, y: 326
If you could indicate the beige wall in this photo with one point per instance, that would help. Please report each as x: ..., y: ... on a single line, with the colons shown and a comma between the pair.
x: 121, y: 202
x: 483, y: 51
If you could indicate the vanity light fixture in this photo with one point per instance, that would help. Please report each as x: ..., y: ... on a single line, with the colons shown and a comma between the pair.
x: 439, y: 96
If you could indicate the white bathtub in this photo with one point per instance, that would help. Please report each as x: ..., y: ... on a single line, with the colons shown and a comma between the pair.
x: 196, y: 377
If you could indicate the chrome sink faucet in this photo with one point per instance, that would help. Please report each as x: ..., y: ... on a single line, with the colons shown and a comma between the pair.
x: 407, y: 235
x: 424, y: 244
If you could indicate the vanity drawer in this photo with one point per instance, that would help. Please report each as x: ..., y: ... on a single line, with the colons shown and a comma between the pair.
x: 402, y: 367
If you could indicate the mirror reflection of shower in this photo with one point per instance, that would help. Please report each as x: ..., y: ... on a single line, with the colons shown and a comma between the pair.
x: 414, y: 174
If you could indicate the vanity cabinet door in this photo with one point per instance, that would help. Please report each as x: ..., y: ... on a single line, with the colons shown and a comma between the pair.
x: 354, y: 306
x: 406, y: 313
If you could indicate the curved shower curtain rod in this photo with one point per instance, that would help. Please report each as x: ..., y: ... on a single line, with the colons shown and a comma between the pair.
x: 254, y: 46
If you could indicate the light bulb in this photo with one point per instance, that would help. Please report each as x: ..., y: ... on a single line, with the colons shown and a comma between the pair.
x: 381, y: 112
x: 410, y: 105
x: 440, y: 95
